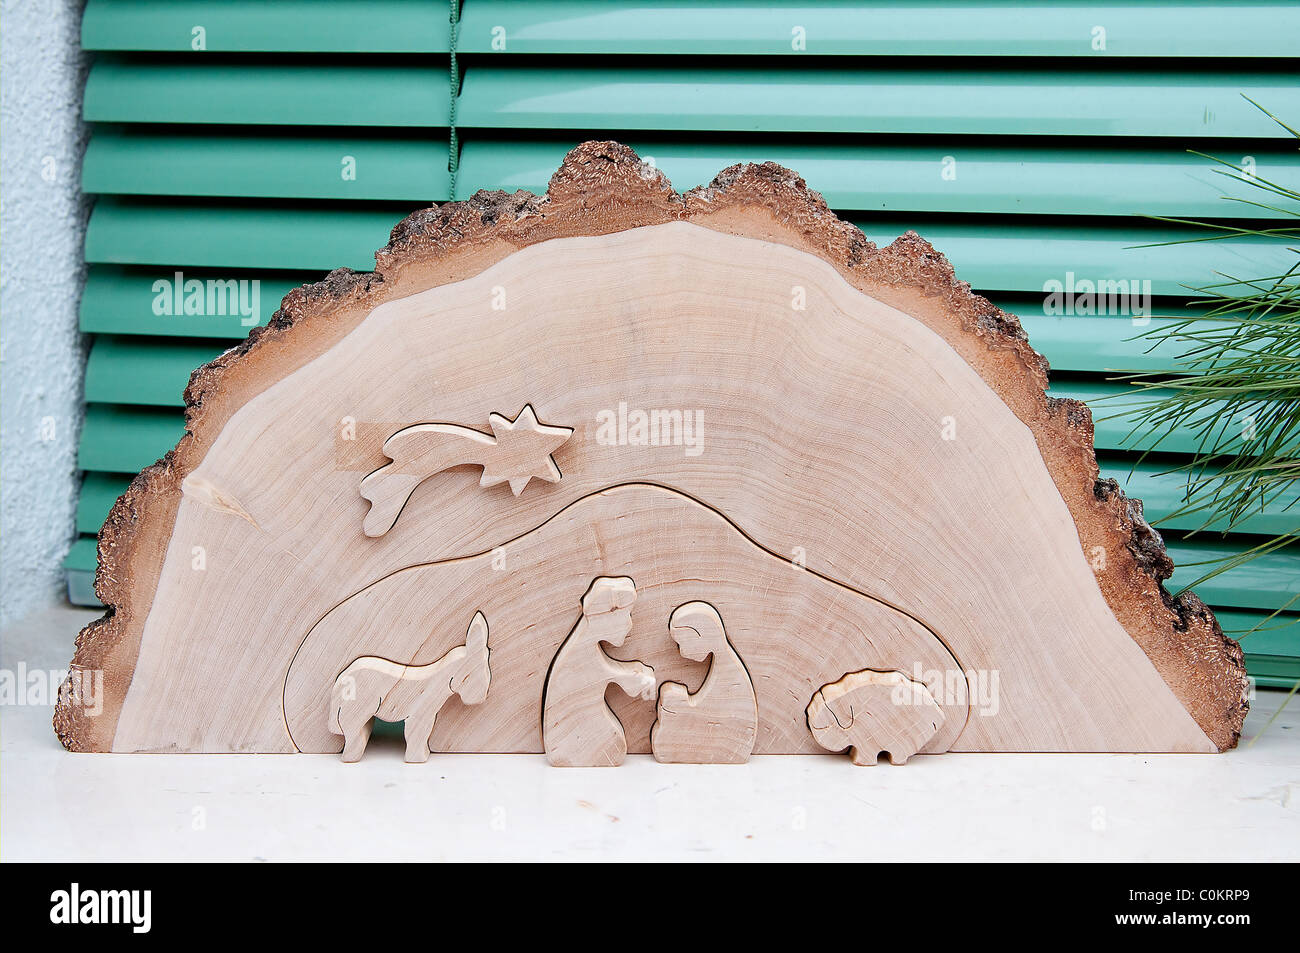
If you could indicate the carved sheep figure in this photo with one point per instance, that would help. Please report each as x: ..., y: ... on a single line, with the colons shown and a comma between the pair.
x: 873, y: 713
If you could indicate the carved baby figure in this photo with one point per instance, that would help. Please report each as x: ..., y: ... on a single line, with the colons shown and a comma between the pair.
x: 578, y: 727
x: 717, y: 724
x: 373, y: 687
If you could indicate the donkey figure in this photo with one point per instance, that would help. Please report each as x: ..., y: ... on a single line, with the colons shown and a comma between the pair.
x: 373, y: 687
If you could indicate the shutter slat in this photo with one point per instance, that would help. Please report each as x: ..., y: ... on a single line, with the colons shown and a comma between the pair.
x: 122, y: 301
x: 1260, y: 635
x: 1023, y: 179
x: 731, y: 27
x: 99, y: 491
x: 282, y: 167
x: 125, y: 439
x: 286, y: 26
x: 149, y: 371
x: 1121, y: 417
x: 1266, y: 582
x: 899, y: 100
x: 1107, y: 343
x: 1161, y: 493
x: 239, y: 236
x: 1019, y: 178
x: 992, y: 257
x: 81, y: 557
x: 1272, y: 645
x: 1023, y: 257
x: 226, y: 90
x: 935, y: 28
x: 1285, y: 680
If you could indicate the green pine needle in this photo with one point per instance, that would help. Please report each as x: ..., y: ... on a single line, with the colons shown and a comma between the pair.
x: 1236, y: 385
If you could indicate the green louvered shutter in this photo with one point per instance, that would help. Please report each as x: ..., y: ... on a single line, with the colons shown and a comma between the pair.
x: 1022, y: 140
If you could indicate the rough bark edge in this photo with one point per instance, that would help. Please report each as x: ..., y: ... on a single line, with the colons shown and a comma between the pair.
x: 603, y: 187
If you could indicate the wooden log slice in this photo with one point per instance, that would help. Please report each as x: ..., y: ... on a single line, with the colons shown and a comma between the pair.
x: 840, y: 447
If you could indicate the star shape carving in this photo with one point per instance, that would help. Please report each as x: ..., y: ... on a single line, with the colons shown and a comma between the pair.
x: 523, y: 450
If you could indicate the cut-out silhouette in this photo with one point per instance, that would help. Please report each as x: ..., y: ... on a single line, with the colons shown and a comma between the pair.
x: 515, y: 452
x: 578, y: 727
x: 718, y: 723
x: 873, y: 713
x: 373, y: 687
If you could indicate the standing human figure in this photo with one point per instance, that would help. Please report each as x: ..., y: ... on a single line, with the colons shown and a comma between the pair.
x: 578, y: 727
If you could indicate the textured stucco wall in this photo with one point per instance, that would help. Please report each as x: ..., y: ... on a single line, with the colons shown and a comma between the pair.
x: 42, y: 226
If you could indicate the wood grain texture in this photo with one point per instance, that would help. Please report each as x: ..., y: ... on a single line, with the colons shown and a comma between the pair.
x: 825, y: 371
x: 805, y: 631
x: 372, y: 687
x: 515, y: 452
x: 874, y: 713
x: 578, y: 728
x: 718, y: 723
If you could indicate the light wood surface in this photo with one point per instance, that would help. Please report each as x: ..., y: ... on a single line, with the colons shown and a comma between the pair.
x: 873, y: 714
x: 873, y: 479
x: 718, y: 723
x: 805, y: 632
x: 372, y: 687
x: 515, y: 452
x: 578, y: 728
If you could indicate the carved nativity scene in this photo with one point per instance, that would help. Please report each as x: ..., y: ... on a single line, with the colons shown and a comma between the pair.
x: 621, y: 470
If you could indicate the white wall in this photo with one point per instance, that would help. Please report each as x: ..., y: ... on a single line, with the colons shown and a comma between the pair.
x: 42, y: 226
